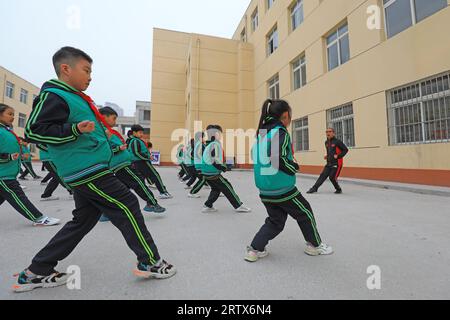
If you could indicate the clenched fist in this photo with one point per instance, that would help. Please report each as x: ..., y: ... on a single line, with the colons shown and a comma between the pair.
x: 86, y: 126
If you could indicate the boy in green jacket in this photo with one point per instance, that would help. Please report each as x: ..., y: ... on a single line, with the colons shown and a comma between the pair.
x: 68, y: 122
x: 142, y: 161
x: 121, y: 165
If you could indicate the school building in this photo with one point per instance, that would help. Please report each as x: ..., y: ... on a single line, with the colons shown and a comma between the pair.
x: 378, y: 71
x: 19, y: 94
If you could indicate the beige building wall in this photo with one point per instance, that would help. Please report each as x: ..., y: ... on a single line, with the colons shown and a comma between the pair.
x: 198, y: 78
x: 20, y: 107
x: 377, y: 64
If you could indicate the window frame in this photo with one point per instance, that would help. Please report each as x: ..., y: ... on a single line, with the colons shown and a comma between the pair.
x: 302, y: 128
x: 274, y: 83
x: 297, y: 5
x: 271, y: 37
x: 337, y: 42
x: 301, y: 59
x: 21, y: 117
x: 408, y: 101
x: 23, y: 96
x: 342, y: 119
x: 255, y: 19
x: 412, y: 4
x: 10, y: 87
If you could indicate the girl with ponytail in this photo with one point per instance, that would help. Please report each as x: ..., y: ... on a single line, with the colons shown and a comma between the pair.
x: 275, y: 172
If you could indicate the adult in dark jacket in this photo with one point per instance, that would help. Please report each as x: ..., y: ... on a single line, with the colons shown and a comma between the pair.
x: 336, y: 151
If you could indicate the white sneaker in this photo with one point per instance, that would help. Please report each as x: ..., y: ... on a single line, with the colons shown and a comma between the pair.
x: 254, y: 255
x: 52, y: 198
x: 46, y: 222
x: 152, y: 186
x: 23, y: 187
x: 194, y: 196
x: 188, y: 188
x: 164, y: 196
x: 243, y: 209
x: 209, y: 210
x: 322, y: 250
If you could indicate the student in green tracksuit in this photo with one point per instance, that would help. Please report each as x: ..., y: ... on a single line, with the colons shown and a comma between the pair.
x: 275, y: 172
x: 199, y: 148
x: 141, y: 158
x: 68, y: 122
x: 10, y: 190
x: 27, y: 158
x: 190, y: 166
x: 121, y: 165
x: 212, y: 168
x: 180, y: 156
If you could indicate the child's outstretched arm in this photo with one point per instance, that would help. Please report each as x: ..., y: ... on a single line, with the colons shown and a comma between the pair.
x: 286, y: 165
x: 48, y: 121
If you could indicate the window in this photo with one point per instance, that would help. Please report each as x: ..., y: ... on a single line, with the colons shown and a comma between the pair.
x: 270, y: 3
x: 402, y: 14
x: 299, y: 72
x: 420, y: 112
x: 147, y: 115
x: 338, y: 47
x: 9, y: 90
x: 23, y: 96
x: 272, y: 41
x: 147, y: 131
x: 22, y: 120
x: 301, y: 134
x: 255, y: 20
x: 342, y: 121
x: 274, y: 88
x: 244, y: 35
x: 297, y: 14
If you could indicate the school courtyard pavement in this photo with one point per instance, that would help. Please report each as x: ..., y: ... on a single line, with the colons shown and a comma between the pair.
x: 399, y: 235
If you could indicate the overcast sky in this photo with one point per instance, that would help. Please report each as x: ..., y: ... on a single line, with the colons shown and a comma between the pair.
x: 116, y: 33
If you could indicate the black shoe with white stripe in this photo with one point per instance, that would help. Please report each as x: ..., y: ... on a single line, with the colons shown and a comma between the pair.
x: 27, y: 281
x: 161, y: 270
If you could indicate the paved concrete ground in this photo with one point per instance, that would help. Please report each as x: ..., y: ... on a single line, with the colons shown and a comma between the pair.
x: 405, y: 234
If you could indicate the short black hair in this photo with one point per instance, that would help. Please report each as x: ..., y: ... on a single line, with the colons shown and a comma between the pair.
x: 4, y: 107
x: 68, y: 55
x: 212, y: 130
x: 108, y: 111
x: 137, y: 128
x: 150, y: 145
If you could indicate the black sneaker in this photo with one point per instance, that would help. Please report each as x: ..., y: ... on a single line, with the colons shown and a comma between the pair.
x: 162, y: 270
x: 338, y: 192
x: 27, y: 281
x: 311, y: 191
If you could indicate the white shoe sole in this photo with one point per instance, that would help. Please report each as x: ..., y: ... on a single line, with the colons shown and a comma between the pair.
x: 38, y: 225
x: 17, y: 288
x: 149, y: 275
x: 260, y: 256
x: 315, y: 253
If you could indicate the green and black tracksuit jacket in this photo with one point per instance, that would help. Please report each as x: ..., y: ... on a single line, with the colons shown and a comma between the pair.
x: 79, y: 158
x: 10, y: 189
